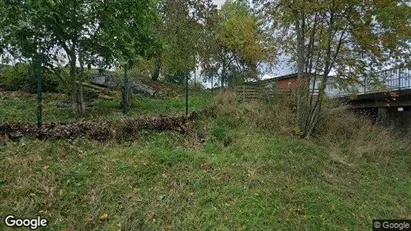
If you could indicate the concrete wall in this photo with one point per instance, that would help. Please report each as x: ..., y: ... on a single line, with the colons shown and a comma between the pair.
x: 398, y: 120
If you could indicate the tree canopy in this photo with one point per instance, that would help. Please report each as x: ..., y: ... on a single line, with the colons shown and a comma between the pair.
x: 237, y: 43
x: 80, y: 31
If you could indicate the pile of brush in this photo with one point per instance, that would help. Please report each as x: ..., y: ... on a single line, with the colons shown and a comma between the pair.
x: 96, y: 130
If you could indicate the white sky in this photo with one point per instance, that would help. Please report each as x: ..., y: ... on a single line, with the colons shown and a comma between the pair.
x: 219, y: 2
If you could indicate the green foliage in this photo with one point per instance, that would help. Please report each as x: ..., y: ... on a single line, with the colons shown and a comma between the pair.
x: 126, y: 30
x: 80, y: 32
x: 180, y: 30
x: 236, y: 44
x: 178, y: 77
x: 20, y: 78
x: 239, y: 32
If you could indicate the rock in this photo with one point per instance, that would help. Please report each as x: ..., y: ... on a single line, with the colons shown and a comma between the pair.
x: 135, y: 85
x: 138, y: 87
x: 63, y: 105
x: 106, y: 81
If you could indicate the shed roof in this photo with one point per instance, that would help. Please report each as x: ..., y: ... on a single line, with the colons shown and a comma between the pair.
x: 274, y: 79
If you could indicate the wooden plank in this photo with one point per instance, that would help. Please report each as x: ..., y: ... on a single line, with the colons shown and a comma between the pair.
x: 247, y: 91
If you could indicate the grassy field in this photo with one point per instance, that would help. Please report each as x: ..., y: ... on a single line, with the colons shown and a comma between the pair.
x: 228, y: 176
x: 22, y: 107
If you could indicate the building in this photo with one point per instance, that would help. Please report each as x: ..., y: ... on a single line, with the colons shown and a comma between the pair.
x: 290, y: 83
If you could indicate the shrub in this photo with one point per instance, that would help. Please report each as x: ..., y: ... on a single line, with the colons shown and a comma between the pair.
x: 20, y: 78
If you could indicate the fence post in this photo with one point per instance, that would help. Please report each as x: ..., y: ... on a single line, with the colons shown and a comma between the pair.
x: 126, y: 89
x: 399, y: 78
x: 243, y: 93
x: 37, y: 62
x: 186, y: 91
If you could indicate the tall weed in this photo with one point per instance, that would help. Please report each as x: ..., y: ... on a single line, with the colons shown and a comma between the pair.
x: 356, y: 136
x: 341, y: 129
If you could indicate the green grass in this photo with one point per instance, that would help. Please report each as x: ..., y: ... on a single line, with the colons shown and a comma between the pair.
x: 23, y: 108
x: 165, y: 181
x: 240, y: 178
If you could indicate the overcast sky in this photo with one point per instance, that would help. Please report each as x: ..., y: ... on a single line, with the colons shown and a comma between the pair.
x: 219, y: 2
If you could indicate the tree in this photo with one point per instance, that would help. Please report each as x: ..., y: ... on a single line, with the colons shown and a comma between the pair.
x: 127, y: 35
x: 237, y: 43
x: 327, y: 36
x: 81, y: 29
x: 179, y: 29
x: 48, y: 27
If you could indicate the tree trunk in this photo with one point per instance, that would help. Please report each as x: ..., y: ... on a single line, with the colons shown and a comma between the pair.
x: 223, y: 75
x: 73, y: 80
x: 37, y: 64
x: 313, y: 120
x: 300, y: 66
x: 81, y: 107
x: 157, y: 67
x: 329, y: 61
x: 125, y: 100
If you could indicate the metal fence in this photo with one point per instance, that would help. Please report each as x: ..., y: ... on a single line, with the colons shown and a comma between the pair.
x: 396, y: 79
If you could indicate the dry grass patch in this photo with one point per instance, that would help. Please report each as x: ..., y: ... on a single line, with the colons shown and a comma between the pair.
x: 276, y: 115
x: 350, y: 134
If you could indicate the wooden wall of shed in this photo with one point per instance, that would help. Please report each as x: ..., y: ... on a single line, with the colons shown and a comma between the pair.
x: 286, y: 84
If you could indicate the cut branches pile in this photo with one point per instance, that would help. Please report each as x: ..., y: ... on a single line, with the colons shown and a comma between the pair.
x: 96, y: 130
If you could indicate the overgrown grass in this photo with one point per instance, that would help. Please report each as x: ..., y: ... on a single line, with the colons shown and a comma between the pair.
x: 343, y: 131
x: 349, y: 134
x: 236, y: 172
x: 258, y: 181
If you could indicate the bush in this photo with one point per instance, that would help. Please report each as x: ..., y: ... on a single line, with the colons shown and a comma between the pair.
x: 21, y: 78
